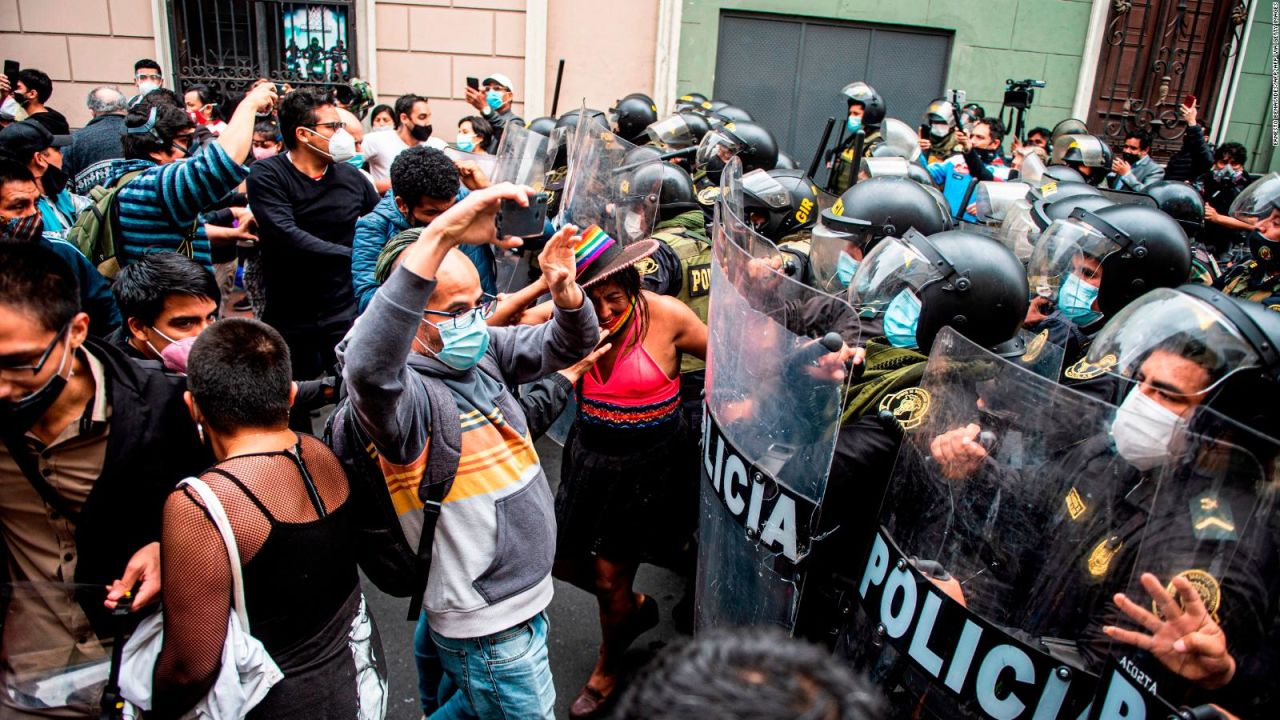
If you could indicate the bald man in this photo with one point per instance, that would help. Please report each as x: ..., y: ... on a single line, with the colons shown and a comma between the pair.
x: 92, y: 147
x: 424, y: 332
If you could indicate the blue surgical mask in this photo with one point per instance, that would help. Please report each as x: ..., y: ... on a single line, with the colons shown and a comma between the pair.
x: 853, y: 123
x: 493, y: 98
x: 356, y: 161
x: 1075, y: 300
x: 465, y: 143
x: 901, y: 319
x: 846, y: 266
x: 463, y: 347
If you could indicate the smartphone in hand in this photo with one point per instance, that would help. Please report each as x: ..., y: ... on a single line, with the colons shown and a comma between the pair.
x: 473, y: 83
x: 11, y: 68
x: 523, y: 222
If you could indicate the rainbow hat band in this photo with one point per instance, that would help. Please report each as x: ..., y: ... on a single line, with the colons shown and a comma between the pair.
x: 593, y: 243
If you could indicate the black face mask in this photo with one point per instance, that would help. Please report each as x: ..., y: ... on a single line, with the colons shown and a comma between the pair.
x: 17, y: 416
x: 29, y: 228
x: 53, y: 181
x: 421, y: 133
x: 1131, y: 158
x: 986, y: 155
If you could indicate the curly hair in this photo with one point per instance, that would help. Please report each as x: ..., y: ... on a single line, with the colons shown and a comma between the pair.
x: 423, y: 171
x: 748, y: 674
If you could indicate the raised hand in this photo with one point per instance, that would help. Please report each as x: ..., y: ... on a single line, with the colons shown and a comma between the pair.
x: 559, y: 267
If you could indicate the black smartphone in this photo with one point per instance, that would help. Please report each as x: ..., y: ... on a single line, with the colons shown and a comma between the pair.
x: 473, y: 83
x: 523, y: 222
x: 924, y: 132
x: 11, y: 68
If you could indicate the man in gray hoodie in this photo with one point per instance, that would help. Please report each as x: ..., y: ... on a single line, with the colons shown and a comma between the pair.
x: 490, y: 577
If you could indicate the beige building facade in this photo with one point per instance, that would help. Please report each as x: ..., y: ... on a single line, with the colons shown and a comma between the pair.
x: 428, y: 47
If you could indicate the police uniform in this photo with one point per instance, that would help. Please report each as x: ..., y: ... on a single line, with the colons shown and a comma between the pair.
x: 1249, y: 281
x: 797, y: 246
x: 843, y: 166
x: 681, y: 268
x: 940, y: 151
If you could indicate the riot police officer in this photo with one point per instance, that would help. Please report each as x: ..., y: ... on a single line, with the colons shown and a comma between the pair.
x: 782, y: 205
x: 632, y: 114
x: 1086, y: 268
x: 1258, y: 279
x: 1181, y: 202
x: 866, y: 113
x: 750, y: 142
x: 916, y: 286
x: 1085, y: 154
x: 940, y: 117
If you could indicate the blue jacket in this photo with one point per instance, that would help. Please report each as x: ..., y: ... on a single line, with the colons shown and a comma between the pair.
x: 385, y: 222
x: 95, y: 292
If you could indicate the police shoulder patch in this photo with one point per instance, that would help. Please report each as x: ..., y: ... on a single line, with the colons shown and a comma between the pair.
x: 1085, y: 370
x: 909, y: 407
x: 708, y: 195
x: 647, y: 266
x: 1206, y: 586
x: 1211, y: 519
x: 1075, y: 504
x: 1035, y: 347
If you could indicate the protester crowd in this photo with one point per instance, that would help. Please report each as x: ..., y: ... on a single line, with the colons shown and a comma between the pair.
x: 192, y: 284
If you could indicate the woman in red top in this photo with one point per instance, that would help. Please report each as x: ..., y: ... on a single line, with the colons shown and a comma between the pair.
x: 629, y: 483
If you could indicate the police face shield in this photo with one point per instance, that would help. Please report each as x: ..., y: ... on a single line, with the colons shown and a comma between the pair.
x: 715, y: 150
x: 1259, y: 200
x: 1019, y: 230
x: 1085, y: 150
x: 1178, y: 344
x: 941, y: 119
x: 857, y: 91
x: 892, y: 275
x: 836, y: 246
x: 1070, y: 126
x: 1032, y: 168
x: 995, y: 199
x: 672, y: 133
x: 883, y: 167
x: 902, y: 138
x: 523, y: 157
x: 1066, y: 267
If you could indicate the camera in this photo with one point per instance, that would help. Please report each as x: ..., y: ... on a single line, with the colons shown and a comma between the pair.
x: 1020, y: 93
x: 523, y: 222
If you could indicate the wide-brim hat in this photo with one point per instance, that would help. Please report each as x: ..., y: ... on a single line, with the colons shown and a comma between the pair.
x: 598, y: 255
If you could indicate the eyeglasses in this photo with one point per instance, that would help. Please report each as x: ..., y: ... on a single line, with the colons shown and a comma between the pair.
x: 334, y: 126
x: 463, y: 319
x: 141, y: 76
x: 44, y: 356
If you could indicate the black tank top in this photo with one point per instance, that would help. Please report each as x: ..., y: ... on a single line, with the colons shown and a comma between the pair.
x: 304, y: 572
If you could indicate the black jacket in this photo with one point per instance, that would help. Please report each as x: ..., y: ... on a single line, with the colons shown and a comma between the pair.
x: 1193, y: 159
x: 151, y: 446
x: 91, y: 144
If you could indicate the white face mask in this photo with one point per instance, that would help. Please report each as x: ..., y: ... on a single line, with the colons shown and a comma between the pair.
x: 147, y: 86
x: 342, y: 145
x: 1143, y: 430
x: 633, y: 225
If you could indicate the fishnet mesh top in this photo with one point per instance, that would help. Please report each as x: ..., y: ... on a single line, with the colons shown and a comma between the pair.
x: 288, y: 511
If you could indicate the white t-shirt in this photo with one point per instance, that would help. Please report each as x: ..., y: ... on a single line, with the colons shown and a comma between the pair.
x: 381, y: 148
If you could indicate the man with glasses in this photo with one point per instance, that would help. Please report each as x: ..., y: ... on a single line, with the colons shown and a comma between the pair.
x: 162, y: 199
x: 147, y: 76
x: 306, y: 204
x: 92, y: 444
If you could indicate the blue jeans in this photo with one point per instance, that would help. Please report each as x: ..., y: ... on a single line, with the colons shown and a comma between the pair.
x: 500, y: 676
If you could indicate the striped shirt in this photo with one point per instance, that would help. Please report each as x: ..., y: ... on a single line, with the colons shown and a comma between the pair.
x: 160, y: 207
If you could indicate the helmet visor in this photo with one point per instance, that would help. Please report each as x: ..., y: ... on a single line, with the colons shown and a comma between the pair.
x: 1259, y: 200
x: 1019, y: 231
x: 885, y: 166
x: 902, y: 138
x: 831, y: 238
x: 893, y: 266
x: 768, y: 190
x: 1067, y: 247
x: 672, y: 132
x: 1178, y: 343
x: 994, y: 199
x: 858, y: 92
x: 1087, y: 149
x: 716, y: 148
x: 1032, y: 168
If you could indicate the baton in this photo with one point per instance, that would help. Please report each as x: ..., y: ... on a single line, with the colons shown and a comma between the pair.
x: 664, y: 156
x: 555, y: 96
x: 822, y: 146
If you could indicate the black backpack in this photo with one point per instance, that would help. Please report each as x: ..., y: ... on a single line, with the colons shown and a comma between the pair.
x: 384, y: 553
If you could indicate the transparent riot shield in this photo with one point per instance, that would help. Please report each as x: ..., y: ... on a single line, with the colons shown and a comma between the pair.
x: 599, y: 190
x: 1032, y: 169
x: 773, y: 404
x: 53, y: 664
x: 486, y: 162
x: 991, y: 561
x: 995, y: 199
x: 1207, y: 551
x: 902, y: 138
x: 832, y: 245
x: 524, y: 157
x: 729, y: 204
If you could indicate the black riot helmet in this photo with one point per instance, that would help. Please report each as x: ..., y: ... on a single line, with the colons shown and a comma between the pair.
x: 972, y: 112
x: 1084, y: 153
x: 779, y: 202
x: 718, y: 105
x: 692, y: 101
x: 632, y: 114
x: 752, y: 143
x: 873, y: 107
x: 940, y: 116
x: 732, y: 113
x: 675, y: 195
x: 1156, y: 254
x: 892, y: 205
x: 1064, y: 174
x: 1055, y: 207
x: 957, y: 278
x: 1070, y: 126
x: 543, y: 125
x: 786, y: 162
x: 697, y: 124
x: 1259, y: 205
x: 570, y: 119
x: 1181, y: 202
